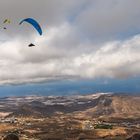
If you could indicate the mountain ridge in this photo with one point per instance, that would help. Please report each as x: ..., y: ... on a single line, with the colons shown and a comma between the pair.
x: 91, y: 105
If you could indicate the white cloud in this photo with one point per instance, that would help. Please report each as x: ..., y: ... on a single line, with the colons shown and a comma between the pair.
x: 20, y: 64
x: 110, y: 19
x: 85, y: 39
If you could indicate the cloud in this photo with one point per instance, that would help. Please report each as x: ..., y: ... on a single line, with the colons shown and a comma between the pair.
x: 47, y: 12
x: 86, y: 39
x: 108, y: 20
x: 117, y: 59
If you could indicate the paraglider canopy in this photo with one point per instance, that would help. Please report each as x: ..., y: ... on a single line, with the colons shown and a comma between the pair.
x: 34, y: 23
x: 7, y: 21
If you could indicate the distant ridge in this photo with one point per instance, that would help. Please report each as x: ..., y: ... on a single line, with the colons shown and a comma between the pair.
x: 91, y: 105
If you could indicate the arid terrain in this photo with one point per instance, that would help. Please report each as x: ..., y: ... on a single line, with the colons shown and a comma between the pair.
x: 101, y: 116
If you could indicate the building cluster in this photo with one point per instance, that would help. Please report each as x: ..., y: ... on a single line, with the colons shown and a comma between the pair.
x: 8, y: 120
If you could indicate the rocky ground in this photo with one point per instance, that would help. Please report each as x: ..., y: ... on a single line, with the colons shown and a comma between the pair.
x: 91, y: 117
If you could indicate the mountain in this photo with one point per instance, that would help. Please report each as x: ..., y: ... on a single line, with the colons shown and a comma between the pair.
x: 115, y: 106
x: 94, y: 116
x: 94, y: 105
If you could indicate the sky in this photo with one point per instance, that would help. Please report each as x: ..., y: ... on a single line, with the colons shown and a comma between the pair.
x: 87, y: 46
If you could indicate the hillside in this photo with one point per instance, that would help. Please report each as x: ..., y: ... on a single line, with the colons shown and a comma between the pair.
x: 94, y: 105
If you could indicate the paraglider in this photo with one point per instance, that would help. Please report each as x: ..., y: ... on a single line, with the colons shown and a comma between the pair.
x: 31, y: 45
x: 6, y: 21
x: 30, y: 21
x: 34, y: 23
